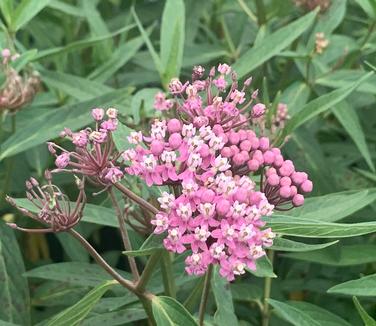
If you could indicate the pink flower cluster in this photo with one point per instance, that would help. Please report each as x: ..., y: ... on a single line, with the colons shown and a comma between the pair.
x: 206, y: 154
x: 94, y: 155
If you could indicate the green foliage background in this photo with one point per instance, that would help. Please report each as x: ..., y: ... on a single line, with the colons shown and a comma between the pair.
x: 93, y: 53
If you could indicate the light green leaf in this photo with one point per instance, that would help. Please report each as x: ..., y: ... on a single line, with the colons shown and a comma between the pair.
x: 264, y: 268
x: 245, y: 291
x: 75, y: 86
x: 347, y: 116
x: 291, y: 314
x: 368, y: 8
x: 225, y: 314
x: 143, y: 100
x: 76, y: 314
x: 26, y: 11
x: 119, y: 317
x: 295, y: 226
x: 66, y: 8
x: 6, y: 7
x: 273, y: 44
x: 81, y: 44
x: 74, y: 116
x: 75, y: 273
x: 281, y: 244
x: 153, y: 243
x: 172, y: 38
x: 344, y: 255
x: 118, y: 59
x: 24, y: 59
x: 365, y: 287
x: 335, y: 206
x: 169, y: 312
x: 14, y: 290
x: 153, y: 53
x: 120, y: 137
x: 320, y: 105
x: 367, y: 319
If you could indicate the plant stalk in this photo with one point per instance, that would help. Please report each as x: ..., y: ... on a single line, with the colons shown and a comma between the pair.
x: 267, y: 290
x: 205, y: 295
x: 148, y: 270
x: 137, y: 199
x: 124, y: 235
x: 168, y: 275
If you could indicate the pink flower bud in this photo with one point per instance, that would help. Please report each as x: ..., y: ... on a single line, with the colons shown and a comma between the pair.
x: 175, y: 86
x: 224, y: 68
x: 258, y: 110
x: 5, y: 53
x: 246, y: 145
x: 97, y: 114
x: 112, y: 113
x: 156, y: 147
x: 273, y: 180
x: 264, y: 143
x: 285, y: 181
x: 223, y: 207
x: 208, y: 196
x: 241, y: 195
x: 269, y: 157
x: 294, y: 191
x: 253, y: 165
x: 298, y: 200
x: 234, y: 138
x: 270, y: 171
x: 278, y: 160
x: 299, y: 177
x: 285, y: 192
x: 234, y: 149
x: 175, y: 140
x: 217, y: 129
x: 307, y: 186
x: 226, y: 152
x: 238, y: 159
x: 80, y: 138
x: 204, y: 150
x: 255, y: 143
x: 62, y: 160
x: 174, y: 125
x: 287, y: 168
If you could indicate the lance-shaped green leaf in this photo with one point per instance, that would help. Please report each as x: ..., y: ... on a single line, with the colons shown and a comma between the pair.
x: 348, y: 118
x: 320, y: 105
x: 14, y: 291
x: 76, y: 314
x: 169, y: 312
x: 119, y: 317
x: 335, y: 206
x: 153, y: 243
x: 295, y: 226
x: 225, y: 314
x: 26, y: 11
x: 172, y: 38
x: 367, y: 319
x: 264, y: 268
x: 362, y: 287
x: 73, y: 116
x: 344, y: 255
x: 306, y: 314
x: 281, y: 244
x: 273, y: 44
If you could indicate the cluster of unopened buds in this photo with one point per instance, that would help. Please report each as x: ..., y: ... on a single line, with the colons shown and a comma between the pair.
x: 17, y: 90
x: 222, y: 177
x: 321, y: 43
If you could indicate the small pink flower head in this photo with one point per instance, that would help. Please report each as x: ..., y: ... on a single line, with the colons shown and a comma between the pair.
x: 166, y: 201
x: 161, y: 223
x: 113, y: 175
x: 175, y: 86
x: 174, y: 125
x: 97, y: 114
x: 109, y: 125
x: 62, y: 160
x: 258, y: 110
x: 112, y: 113
x: 135, y: 137
x: 198, y: 72
x: 224, y: 69
x: 98, y: 136
x: 161, y: 103
x: 80, y: 138
x: 238, y: 96
x: 5, y: 53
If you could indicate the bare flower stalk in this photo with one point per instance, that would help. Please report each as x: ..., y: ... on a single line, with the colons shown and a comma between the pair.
x: 124, y: 235
x: 205, y: 295
x: 267, y: 290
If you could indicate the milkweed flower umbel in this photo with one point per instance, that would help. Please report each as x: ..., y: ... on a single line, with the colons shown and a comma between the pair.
x: 211, y: 158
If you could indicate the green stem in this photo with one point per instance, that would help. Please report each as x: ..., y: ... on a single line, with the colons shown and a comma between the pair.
x: 148, y: 270
x: 124, y: 235
x: 137, y: 199
x: 267, y: 290
x: 205, y: 295
x: 261, y: 15
x: 193, y: 297
x: 248, y: 11
x: 168, y: 275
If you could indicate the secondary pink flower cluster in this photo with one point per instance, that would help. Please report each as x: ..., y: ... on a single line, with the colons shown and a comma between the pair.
x: 206, y: 154
x: 94, y: 155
